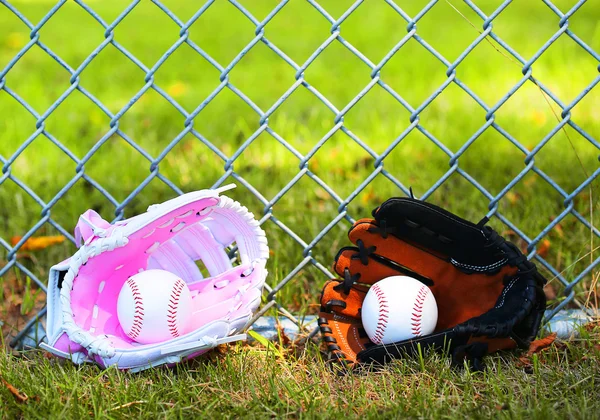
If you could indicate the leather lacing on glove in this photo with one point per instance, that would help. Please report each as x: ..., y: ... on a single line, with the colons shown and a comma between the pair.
x: 349, y: 278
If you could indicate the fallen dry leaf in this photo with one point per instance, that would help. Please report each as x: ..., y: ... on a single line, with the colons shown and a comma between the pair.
x: 512, y: 197
x: 523, y: 247
x: 543, y: 248
x: 285, y: 340
x: 19, y: 396
x: 37, y: 243
x: 362, y: 163
x: 509, y: 232
x: 322, y: 194
x: 591, y: 326
x: 525, y: 361
x: 537, y: 346
x: 559, y: 231
x: 188, y: 145
x: 530, y: 181
x: 368, y: 197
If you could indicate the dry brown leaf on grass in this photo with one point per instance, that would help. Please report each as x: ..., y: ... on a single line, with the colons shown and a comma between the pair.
x: 537, y: 346
x: 285, y: 340
x: 513, y: 197
x: 558, y: 229
x: 362, y: 163
x: 508, y: 232
x: 543, y: 248
x: 368, y: 197
x: 37, y: 243
x: 524, y: 361
x: 594, y: 329
x: 19, y: 396
x: 322, y: 194
x: 592, y: 326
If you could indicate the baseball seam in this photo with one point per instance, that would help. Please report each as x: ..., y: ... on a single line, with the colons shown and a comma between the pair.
x: 173, y: 307
x: 384, y: 312
x: 417, y: 312
x: 138, y: 313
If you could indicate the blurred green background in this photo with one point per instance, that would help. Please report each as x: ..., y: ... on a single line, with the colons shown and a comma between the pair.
x: 374, y: 28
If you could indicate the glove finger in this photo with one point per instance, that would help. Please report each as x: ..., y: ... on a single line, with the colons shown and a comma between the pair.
x: 334, y: 299
x: 375, y: 270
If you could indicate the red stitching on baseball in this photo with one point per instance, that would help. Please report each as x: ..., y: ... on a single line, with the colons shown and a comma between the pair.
x: 138, y: 314
x: 172, y: 314
x: 417, y: 314
x: 383, y: 314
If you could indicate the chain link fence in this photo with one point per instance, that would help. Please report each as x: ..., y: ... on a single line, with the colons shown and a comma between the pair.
x: 483, y: 33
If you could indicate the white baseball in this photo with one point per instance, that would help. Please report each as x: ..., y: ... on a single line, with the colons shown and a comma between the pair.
x: 398, y: 308
x: 154, y: 306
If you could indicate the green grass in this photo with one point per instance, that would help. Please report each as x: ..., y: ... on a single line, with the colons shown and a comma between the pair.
x: 302, y: 120
x: 248, y: 381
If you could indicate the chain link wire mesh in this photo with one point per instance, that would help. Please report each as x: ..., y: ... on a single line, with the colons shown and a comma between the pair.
x: 307, y: 258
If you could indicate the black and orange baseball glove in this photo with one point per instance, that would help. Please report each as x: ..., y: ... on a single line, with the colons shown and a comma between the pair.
x: 489, y: 296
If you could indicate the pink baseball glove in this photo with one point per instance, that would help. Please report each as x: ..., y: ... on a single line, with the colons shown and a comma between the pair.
x: 82, y: 321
